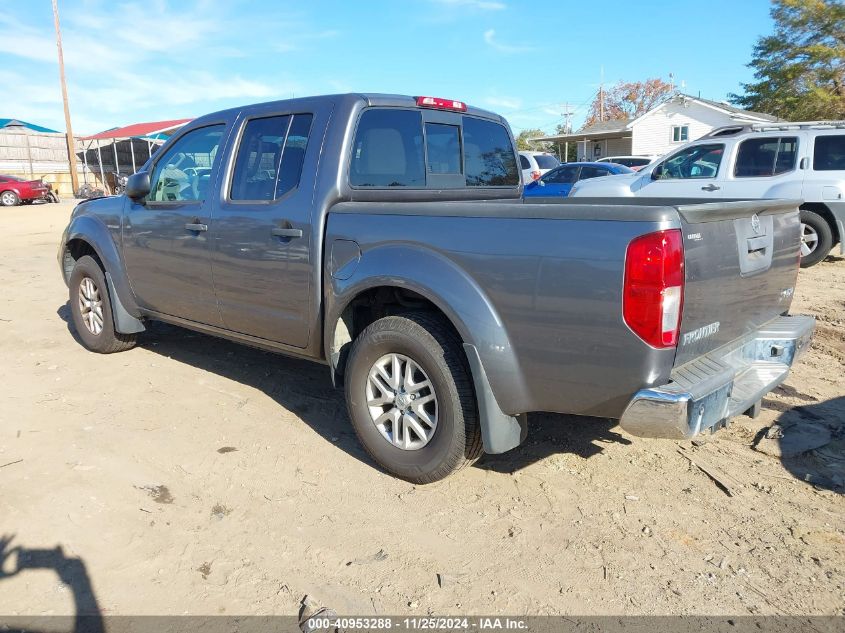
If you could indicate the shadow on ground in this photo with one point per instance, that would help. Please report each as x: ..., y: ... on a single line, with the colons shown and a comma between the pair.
x: 304, y: 388
x: 70, y: 571
x: 809, y: 439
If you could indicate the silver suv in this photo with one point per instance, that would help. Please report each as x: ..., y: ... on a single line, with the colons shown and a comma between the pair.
x: 773, y: 160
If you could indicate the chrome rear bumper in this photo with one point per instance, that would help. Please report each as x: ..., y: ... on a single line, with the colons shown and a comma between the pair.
x: 709, y: 391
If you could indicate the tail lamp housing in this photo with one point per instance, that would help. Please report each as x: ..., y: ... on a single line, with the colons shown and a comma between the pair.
x: 653, y: 295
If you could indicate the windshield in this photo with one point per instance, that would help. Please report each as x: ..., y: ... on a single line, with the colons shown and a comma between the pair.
x: 546, y: 161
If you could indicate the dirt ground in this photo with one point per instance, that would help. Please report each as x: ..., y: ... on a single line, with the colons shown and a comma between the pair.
x: 192, y: 475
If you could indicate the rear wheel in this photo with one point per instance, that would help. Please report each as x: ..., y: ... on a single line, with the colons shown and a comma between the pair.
x: 410, y: 397
x: 91, y: 311
x: 9, y: 199
x: 816, y: 238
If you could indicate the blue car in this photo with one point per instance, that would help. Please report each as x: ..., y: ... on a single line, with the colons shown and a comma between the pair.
x: 558, y: 182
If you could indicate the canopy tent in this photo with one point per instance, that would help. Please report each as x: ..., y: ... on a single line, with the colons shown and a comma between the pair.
x: 153, y: 133
x: 12, y: 123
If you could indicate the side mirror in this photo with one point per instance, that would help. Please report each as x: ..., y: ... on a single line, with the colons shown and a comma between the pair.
x: 138, y: 185
x: 541, y: 183
x: 657, y: 173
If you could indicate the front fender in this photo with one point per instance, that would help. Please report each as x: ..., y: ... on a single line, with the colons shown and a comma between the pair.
x: 92, y: 230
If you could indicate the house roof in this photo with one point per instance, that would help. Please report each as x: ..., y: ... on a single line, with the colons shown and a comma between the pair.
x: 600, y: 127
x: 612, y: 129
x: 138, y: 130
x: 733, y: 110
x: 4, y: 123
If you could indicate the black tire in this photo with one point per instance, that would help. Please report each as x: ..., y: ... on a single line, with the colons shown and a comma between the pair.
x: 825, y: 237
x: 107, y: 340
x: 9, y: 199
x: 431, y: 343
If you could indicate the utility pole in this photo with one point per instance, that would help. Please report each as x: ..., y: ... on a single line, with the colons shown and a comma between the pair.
x: 601, y: 96
x: 71, y: 144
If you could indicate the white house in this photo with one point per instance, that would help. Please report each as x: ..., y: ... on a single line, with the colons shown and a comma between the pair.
x: 676, y: 121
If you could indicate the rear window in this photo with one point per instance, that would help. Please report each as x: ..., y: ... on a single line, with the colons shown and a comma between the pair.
x: 628, y: 162
x: 829, y: 153
x: 394, y: 148
x: 443, y: 145
x: 546, y: 161
x: 388, y: 150
x: 766, y: 156
x: 489, y: 159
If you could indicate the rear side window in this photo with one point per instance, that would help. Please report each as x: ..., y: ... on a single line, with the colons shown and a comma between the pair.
x: 523, y: 162
x: 829, y: 153
x: 388, y: 150
x: 293, y: 155
x: 766, y: 156
x: 270, y: 157
x: 545, y: 161
x: 489, y: 159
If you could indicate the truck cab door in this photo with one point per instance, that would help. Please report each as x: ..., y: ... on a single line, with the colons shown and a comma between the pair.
x: 166, y: 234
x: 693, y: 172
x: 261, y: 258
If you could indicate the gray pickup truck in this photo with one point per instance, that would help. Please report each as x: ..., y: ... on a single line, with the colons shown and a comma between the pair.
x: 386, y: 237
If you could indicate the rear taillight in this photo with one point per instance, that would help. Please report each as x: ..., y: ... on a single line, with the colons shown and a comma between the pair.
x: 653, y: 294
x: 441, y: 104
x: 535, y: 175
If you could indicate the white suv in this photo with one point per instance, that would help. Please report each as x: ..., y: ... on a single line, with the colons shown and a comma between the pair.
x: 774, y: 160
x: 535, y: 164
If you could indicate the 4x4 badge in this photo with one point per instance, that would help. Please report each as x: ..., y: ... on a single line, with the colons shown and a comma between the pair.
x: 755, y: 223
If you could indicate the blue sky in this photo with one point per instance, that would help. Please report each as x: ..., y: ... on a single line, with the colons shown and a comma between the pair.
x: 162, y: 59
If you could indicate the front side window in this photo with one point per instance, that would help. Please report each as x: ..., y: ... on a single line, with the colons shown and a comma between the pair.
x: 680, y: 133
x: 270, y: 157
x: 588, y: 171
x: 489, y: 158
x: 766, y: 156
x: 388, y: 149
x: 443, y: 147
x: 560, y: 176
x: 699, y: 161
x: 183, y: 173
x: 829, y: 153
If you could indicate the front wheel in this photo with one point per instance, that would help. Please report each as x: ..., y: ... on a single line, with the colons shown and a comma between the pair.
x: 410, y: 397
x: 91, y: 311
x: 816, y: 238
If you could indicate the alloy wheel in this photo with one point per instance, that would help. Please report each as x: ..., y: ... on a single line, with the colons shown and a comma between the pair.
x: 402, y: 402
x: 91, y: 305
x: 809, y: 239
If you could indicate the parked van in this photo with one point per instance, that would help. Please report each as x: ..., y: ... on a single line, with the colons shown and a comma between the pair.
x: 773, y: 160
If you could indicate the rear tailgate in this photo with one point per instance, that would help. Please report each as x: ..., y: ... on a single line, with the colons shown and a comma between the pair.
x: 741, y: 262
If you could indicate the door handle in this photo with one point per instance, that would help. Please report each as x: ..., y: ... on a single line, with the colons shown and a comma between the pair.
x: 288, y: 233
x: 190, y: 226
x: 710, y: 187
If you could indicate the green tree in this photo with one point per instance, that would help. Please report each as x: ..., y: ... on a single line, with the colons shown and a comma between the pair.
x: 799, y: 70
x: 523, y: 144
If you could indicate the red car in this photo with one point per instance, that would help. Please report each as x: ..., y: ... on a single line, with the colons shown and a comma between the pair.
x: 14, y: 190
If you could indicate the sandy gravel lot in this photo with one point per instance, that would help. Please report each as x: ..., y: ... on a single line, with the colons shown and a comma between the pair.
x: 191, y: 475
